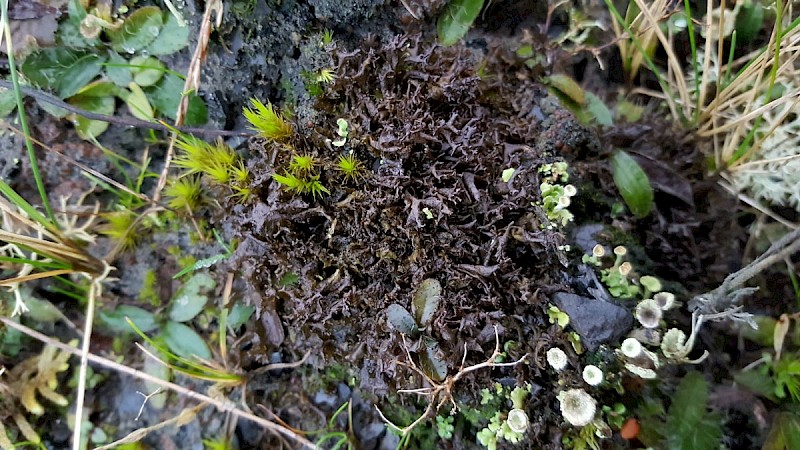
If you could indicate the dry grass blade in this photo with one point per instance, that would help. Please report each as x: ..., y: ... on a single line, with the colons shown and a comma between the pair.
x: 192, y: 83
x: 221, y: 405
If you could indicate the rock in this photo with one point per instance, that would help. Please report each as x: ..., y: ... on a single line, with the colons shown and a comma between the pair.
x: 597, y: 322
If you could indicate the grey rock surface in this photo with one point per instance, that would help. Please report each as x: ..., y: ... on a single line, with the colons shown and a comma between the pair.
x: 597, y: 322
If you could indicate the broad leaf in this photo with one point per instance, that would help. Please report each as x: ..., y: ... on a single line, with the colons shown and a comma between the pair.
x: 115, y: 320
x: 567, y: 89
x: 64, y: 71
x: 88, y: 128
x: 191, y: 298
x: 184, y: 342
x: 8, y: 101
x: 401, y: 320
x: 456, y: 20
x: 598, y: 111
x: 431, y: 360
x: 426, y: 301
x: 690, y: 425
x: 633, y: 184
x: 166, y: 95
x: 138, y: 31
x: 174, y: 36
x: 158, y: 370
x: 119, y: 70
x: 146, y: 70
x: 138, y: 104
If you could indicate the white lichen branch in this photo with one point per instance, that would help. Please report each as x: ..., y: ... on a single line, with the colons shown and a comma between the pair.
x: 440, y: 393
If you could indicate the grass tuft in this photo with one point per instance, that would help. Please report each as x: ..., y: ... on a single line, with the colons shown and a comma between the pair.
x: 350, y: 167
x: 267, y: 122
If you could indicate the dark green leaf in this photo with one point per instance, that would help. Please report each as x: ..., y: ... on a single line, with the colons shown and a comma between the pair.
x: 757, y: 382
x: 749, y: 21
x: 456, y: 20
x: 184, y: 341
x: 42, y: 310
x: 432, y: 361
x: 138, y: 31
x: 401, y: 320
x: 426, y: 301
x: 153, y: 367
x: 197, y: 113
x: 115, y: 320
x: 64, y: 71
x: 633, y: 184
x: 172, y: 38
x: 191, y: 298
x: 166, y: 95
x: 690, y: 425
x: 119, y: 70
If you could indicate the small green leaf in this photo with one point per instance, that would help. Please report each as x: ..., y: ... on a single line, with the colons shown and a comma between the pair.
x: 507, y: 174
x: 173, y: 37
x: 146, y: 70
x: 197, y: 113
x: 566, y: 88
x: 138, y: 31
x: 191, y: 298
x: 426, y: 301
x: 115, y: 320
x: 138, y: 104
x: 166, y: 95
x: 8, y: 101
x: 88, y: 128
x: 758, y: 383
x: 598, y: 110
x: 239, y: 315
x: 456, y: 20
x: 69, y: 30
x: 184, y: 341
x: 118, y: 70
x: 633, y: 184
x: 401, y: 320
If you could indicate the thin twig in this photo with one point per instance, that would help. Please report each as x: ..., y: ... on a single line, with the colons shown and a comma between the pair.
x: 119, y: 120
x: 192, y: 84
x: 95, y: 290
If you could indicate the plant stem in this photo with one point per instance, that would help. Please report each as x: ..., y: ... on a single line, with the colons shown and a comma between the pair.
x: 21, y: 114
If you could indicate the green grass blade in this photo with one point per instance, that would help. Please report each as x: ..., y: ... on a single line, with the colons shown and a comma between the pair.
x: 26, y: 207
x: 34, y: 263
x: 12, y: 68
